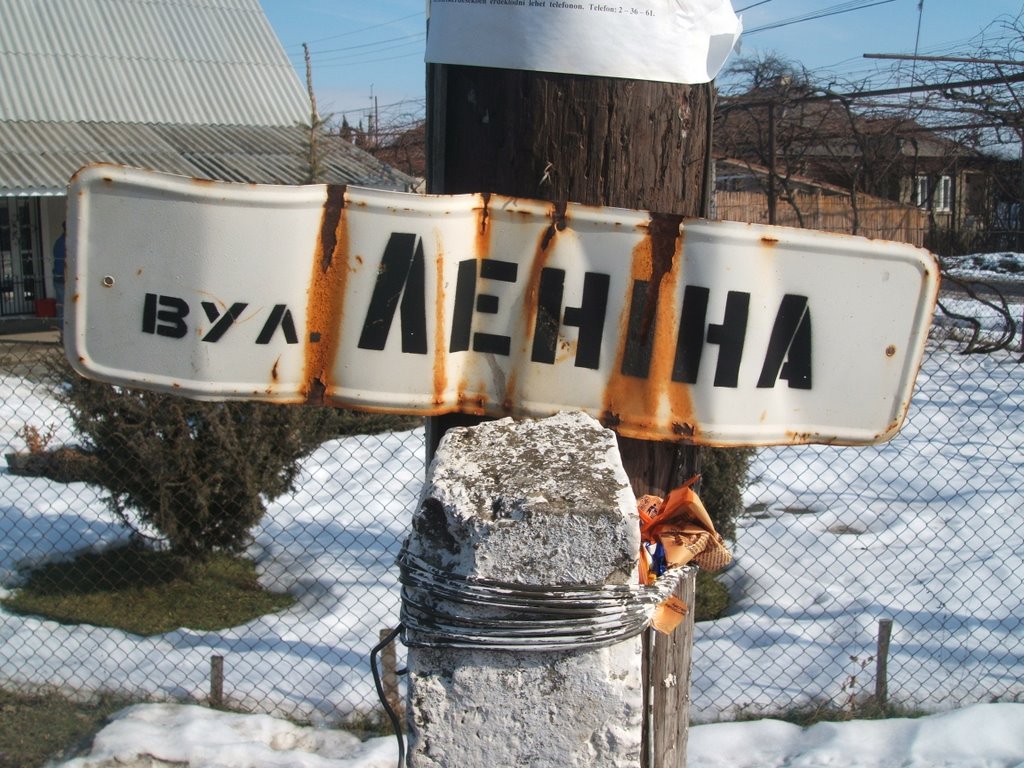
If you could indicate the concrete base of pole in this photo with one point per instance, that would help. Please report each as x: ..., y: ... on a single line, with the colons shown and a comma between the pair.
x: 527, y: 503
x: 526, y: 709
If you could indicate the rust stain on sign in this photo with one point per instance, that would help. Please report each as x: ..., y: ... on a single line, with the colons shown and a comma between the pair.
x: 440, y: 351
x: 680, y: 402
x: 641, y: 380
x: 325, y: 306
x: 483, y: 232
x: 534, y: 319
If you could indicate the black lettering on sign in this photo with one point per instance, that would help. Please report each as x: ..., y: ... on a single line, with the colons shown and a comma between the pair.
x: 401, y: 275
x: 636, y: 358
x: 789, y: 347
x: 462, y: 317
x: 690, y: 344
x: 164, y: 316
x: 549, y: 315
x: 280, y: 317
x: 588, y: 317
x: 729, y: 335
x: 467, y: 300
x: 224, y: 322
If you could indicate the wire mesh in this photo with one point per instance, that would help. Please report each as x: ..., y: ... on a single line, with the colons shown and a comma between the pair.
x: 816, y: 564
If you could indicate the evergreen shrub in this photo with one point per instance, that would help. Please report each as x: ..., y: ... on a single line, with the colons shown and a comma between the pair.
x: 199, y: 473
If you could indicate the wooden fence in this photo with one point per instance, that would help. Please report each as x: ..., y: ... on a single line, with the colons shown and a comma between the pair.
x: 829, y: 212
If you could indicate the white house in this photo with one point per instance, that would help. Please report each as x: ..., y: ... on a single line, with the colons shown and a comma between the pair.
x: 201, y: 88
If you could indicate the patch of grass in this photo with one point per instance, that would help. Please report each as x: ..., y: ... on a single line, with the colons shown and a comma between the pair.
x: 35, y: 729
x: 829, y: 713
x: 146, y: 592
x: 712, y: 598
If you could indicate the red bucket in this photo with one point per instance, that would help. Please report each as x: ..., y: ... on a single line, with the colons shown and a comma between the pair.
x: 46, y: 307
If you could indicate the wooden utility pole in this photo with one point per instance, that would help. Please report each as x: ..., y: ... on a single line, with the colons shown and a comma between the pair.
x: 597, y: 141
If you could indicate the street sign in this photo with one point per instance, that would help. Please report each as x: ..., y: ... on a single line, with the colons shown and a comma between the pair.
x: 717, y: 333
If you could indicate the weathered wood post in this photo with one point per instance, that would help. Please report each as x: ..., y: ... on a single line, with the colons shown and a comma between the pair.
x: 882, y: 663
x: 598, y: 141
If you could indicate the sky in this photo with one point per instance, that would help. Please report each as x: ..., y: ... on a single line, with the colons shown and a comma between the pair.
x: 371, y: 53
x: 926, y: 585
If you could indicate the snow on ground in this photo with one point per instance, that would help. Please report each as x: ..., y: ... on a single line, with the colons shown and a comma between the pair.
x: 310, y: 661
x: 926, y: 530
x: 155, y: 735
x: 986, y: 266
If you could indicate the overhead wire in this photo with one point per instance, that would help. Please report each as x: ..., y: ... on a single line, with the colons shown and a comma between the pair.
x: 833, y: 10
x: 359, y: 60
x: 355, y: 31
x: 753, y: 5
x: 415, y: 35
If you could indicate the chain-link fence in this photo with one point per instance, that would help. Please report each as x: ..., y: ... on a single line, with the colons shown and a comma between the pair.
x: 926, y: 531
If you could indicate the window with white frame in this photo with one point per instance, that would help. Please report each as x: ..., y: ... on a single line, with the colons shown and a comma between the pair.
x: 943, y: 198
x: 921, y: 191
x: 942, y: 194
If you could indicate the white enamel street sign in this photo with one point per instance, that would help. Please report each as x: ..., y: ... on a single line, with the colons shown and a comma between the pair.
x: 713, y: 332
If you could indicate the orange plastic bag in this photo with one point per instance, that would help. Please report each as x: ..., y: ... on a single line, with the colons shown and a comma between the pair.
x: 682, y: 526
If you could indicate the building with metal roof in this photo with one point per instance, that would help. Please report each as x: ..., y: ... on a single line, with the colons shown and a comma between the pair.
x: 200, y: 88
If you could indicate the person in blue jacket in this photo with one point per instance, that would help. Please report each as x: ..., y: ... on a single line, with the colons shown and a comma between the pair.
x: 59, y: 256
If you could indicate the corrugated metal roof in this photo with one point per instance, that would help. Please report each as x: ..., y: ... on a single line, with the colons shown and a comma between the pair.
x: 38, y: 159
x: 212, y: 62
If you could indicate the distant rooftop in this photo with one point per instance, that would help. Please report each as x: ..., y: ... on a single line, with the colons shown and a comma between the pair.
x: 209, y: 62
x: 38, y: 159
x: 196, y: 87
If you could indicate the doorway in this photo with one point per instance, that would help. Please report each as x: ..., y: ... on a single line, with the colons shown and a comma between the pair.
x: 21, y: 256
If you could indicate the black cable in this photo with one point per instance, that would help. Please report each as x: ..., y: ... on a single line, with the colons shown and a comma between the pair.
x: 396, y: 723
x: 753, y: 5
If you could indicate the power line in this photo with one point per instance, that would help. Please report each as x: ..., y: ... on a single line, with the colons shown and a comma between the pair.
x: 917, y: 39
x: 360, y: 57
x: 834, y: 10
x: 345, y: 62
x: 753, y: 5
x: 951, y: 59
x: 403, y: 103
x: 357, y: 31
x: 922, y: 88
x: 740, y: 103
x: 357, y: 54
x: 419, y: 35
x: 921, y: 15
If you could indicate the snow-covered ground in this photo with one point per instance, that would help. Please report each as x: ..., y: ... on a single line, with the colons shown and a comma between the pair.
x: 980, y: 736
x: 927, y: 530
x: 996, y: 267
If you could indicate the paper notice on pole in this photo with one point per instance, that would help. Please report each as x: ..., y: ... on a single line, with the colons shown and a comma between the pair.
x: 677, y: 41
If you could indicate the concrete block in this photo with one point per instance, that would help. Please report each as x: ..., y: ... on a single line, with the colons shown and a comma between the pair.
x: 527, y: 503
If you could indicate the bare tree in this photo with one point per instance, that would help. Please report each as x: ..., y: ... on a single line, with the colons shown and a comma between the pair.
x: 868, y: 141
x: 767, y: 122
x: 396, y: 135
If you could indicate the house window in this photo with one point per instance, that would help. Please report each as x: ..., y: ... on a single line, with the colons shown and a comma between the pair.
x: 921, y: 191
x: 941, y: 197
x: 943, y: 200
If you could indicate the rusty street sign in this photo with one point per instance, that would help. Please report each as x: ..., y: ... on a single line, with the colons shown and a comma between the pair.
x: 714, y: 332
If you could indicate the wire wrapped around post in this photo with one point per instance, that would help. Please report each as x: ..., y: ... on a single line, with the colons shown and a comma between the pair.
x: 444, y: 610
